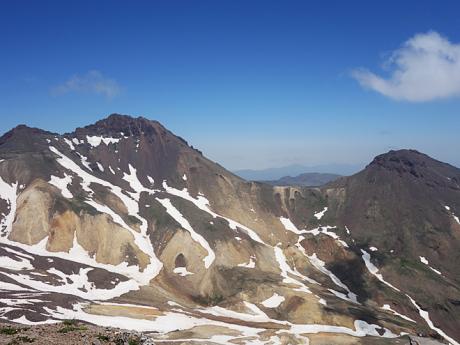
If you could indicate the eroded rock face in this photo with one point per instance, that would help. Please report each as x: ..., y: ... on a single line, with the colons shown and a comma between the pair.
x: 32, y: 215
x: 125, y: 213
x: 38, y: 218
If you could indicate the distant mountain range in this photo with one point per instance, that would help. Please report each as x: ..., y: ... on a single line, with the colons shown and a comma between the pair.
x: 123, y: 224
x: 270, y: 174
x: 306, y: 179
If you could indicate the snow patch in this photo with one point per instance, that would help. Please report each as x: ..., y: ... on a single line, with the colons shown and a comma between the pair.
x: 182, y: 271
x: 95, y: 141
x: 68, y: 142
x: 25, y: 321
x: 274, y: 301
x: 423, y: 260
x: 288, y: 225
x: 62, y: 184
x: 374, y: 270
x: 74, y: 284
x: 9, y: 194
x: 426, y: 316
x: 388, y: 307
x: 15, y: 265
x: 320, y: 214
x: 250, y: 264
x: 84, y: 161
x: 12, y: 287
x: 362, y: 329
x: 321, y: 266
x: 75, y: 141
x: 457, y: 219
x: 325, y: 230
x: 286, y: 271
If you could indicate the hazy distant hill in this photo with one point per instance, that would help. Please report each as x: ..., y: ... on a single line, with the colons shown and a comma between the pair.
x: 270, y: 174
x: 306, y: 179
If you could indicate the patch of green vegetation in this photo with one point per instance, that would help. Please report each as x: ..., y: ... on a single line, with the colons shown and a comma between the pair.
x: 210, y: 227
x: 133, y: 341
x: 416, y: 267
x: 70, y: 322
x: 71, y: 326
x: 161, y: 218
x: 21, y: 340
x: 103, y: 337
x: 408, y: 265
x: 9, y: 331
x: 210, y: 300
x: 78, y: 204
x: 133, y: 220
x: 119, y: 341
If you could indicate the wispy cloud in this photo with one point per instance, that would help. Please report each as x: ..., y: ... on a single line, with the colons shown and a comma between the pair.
x: 425, y: 68
x: 92, y: 82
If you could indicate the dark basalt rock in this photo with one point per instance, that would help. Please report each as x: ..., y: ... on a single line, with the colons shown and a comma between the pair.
x: 116, y: 124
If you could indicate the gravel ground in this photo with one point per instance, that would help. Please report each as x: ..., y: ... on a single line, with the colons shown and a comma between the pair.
x: 69, y: 333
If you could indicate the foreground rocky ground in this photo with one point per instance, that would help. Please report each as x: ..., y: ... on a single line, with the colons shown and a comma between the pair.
x: 69, y: 333
x: 72, y: 332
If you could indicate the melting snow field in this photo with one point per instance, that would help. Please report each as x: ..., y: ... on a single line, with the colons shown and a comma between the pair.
x: 179, y: 319
x: 78, y: 284
x: 141, y: 239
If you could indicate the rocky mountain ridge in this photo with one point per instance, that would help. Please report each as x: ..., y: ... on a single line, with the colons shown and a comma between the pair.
x: 123, y: 224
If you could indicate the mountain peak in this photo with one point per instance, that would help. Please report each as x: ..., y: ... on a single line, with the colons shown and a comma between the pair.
x: 414, y: 164
x: 23, y: 133
x: 118, y: 124
x: 400, y: 158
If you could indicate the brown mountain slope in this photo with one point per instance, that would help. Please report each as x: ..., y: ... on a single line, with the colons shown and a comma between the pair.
x: 122, y: 223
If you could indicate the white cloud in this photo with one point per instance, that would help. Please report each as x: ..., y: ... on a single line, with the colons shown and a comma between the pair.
x: 92, y: 81
x: 425, y: 68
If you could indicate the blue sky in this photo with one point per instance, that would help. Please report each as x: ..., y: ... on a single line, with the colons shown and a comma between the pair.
x: 253, y: 84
